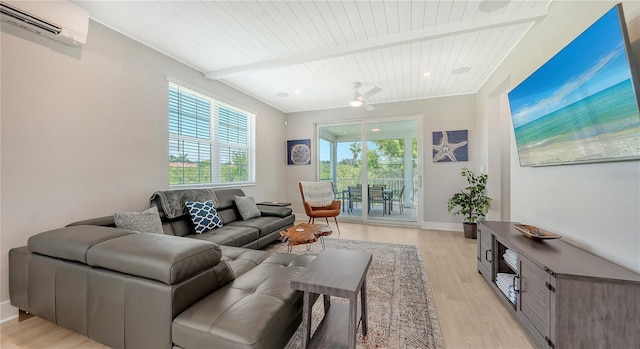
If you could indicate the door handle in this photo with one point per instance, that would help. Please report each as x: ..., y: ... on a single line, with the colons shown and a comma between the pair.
x: 486, y: 256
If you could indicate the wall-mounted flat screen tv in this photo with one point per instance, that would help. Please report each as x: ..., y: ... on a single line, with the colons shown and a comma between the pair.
x: 582, y: 105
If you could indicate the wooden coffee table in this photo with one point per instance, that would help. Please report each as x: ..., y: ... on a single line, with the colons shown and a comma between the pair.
x: 305, y: 233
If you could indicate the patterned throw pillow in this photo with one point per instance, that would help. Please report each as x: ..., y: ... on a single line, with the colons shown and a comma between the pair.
x: 203, y: 215
x: 147, y: 221
x: 247, y: 207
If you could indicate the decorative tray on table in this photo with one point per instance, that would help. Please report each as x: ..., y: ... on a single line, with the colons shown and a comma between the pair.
x: 534, y: 232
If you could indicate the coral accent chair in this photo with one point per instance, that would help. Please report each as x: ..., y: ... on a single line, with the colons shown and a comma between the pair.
x: 318, y: 200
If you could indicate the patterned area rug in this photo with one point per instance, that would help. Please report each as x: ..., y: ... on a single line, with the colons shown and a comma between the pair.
x: 402, y: 312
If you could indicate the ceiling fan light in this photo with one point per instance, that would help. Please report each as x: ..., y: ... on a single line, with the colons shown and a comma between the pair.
x: 355, y: 102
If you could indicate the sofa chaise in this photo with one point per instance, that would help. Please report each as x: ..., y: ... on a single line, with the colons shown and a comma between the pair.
x: 139, y: 290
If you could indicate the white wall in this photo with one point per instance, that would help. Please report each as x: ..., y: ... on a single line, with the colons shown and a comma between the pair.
x: 440, y: 180
x: 84, y: 131
x: 594, y: 206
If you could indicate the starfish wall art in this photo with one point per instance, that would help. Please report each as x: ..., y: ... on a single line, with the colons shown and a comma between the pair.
x: 449, y: 146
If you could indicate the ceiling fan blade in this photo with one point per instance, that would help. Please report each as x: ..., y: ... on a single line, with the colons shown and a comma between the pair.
x: 372, y: 92
x: 367, y: 107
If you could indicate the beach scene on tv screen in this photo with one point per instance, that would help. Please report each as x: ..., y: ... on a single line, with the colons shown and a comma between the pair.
x: 581, y: 105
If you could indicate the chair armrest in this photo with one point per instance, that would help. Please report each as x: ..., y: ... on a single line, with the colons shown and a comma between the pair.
x: 335, y: 205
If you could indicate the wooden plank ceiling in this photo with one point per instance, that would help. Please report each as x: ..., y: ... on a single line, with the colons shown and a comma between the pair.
x: 313, y: 51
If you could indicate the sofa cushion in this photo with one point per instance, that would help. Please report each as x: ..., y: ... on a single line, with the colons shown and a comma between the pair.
x: 260, y: 300
x: 179, y: 227
x: 241, y: 260
x: 229, y: 235
x: 229, y: 215
x: 247, y: 207
x: 265, y: 225
x: 165, y: 258
x: 106, y: 221
x: 226, y: 198
x: 72, y: 243
x: 203, y: 215
x: 147, y: 221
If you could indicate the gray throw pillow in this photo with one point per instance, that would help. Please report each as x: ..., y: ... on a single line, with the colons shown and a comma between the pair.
x: 247, y: 207
x: 147, y: 221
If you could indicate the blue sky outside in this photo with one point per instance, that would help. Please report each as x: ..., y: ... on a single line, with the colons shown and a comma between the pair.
x: 591, y: 63
x: 343, y: 150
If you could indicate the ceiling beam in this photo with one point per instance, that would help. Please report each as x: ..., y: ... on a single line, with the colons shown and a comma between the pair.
x: 431, y: 33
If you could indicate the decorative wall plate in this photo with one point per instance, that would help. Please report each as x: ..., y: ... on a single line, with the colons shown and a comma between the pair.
x: 299, y: 152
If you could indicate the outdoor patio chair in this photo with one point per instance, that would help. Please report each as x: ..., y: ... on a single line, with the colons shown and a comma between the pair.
x: 355, y: 196
x: 399, y: 197
x: 376, y: 196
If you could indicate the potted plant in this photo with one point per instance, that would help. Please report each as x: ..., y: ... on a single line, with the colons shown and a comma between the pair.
x: 471, y: 202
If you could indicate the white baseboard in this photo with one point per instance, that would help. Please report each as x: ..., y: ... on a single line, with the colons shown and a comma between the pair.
x: 7, y: 312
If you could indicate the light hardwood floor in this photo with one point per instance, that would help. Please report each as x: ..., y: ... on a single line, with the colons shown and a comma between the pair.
x: 469, y: 312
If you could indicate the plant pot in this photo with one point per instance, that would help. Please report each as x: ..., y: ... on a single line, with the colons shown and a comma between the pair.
x: 470, y: 230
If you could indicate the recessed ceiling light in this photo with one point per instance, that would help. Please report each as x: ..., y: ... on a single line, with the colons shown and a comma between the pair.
x: 492, y: 5
x: 427, y: 74
x: 298, y: 92
x: 461, y: 70
x: 282, y: 94
x: 375, y: 129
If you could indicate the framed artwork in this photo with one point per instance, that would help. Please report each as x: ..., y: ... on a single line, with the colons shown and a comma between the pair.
x: 450, y: 146
x: 299, y: 152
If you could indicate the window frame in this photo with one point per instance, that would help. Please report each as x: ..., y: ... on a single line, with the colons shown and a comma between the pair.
x: 216, y: 146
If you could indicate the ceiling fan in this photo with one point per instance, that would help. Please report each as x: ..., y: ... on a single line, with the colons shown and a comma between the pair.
x: 359, y: 99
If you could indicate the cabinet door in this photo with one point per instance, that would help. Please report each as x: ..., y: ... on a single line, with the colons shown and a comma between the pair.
x: 485, y: 256
x: 534, y: 299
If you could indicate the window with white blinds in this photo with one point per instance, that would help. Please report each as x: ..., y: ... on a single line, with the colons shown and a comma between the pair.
x: 210, y: 142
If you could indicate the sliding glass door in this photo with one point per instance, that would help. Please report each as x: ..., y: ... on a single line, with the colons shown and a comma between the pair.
x: 374, y: 167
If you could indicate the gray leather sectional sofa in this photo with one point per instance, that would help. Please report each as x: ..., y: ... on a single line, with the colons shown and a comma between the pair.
x: 138, y: 290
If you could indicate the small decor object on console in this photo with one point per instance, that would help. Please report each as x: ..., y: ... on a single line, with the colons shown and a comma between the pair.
x: 534, y: 232
x: 203, y: 215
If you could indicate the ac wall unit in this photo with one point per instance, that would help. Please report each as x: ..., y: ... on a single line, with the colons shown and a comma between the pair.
x: 61, y: 21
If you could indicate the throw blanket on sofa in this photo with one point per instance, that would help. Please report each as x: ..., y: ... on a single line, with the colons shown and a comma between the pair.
x: 318, y: 194
x: 172, y: 201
